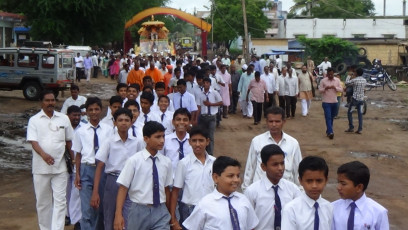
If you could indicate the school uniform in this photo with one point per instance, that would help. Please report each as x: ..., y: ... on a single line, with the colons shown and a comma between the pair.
x: 185, y: 100
x: 143, y: 118
x: 114, y: 154
x: 261, y: 195
x: 190, y: 87
x: 293, y: 156
x: 108, y: 120
x: 368, y: 214
x: 213, y: 212
x: 166, y: 119
x: 195, y: 178
x: 84, y: 143
x: 50, y: 181
x: 208, y: 114
x: 136, y: 130
x: 74, y: 201
x: 300, y: 214
x: 172, y: 149
x: 137, y: 176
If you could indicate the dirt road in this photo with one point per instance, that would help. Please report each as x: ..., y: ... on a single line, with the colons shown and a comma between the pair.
x: 382, y: 146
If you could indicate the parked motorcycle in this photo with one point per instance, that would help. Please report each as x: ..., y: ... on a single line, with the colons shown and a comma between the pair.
x: 378, y: 76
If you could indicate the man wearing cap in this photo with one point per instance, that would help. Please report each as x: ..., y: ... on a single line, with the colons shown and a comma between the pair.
x: 240, y: 62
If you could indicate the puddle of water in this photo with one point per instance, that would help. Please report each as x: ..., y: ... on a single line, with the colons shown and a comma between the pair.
x: 103, y: 91
x: 376, y: 155
x: 15, y: 153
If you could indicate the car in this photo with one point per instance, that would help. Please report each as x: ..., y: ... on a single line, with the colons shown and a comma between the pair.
x: 34, y: 69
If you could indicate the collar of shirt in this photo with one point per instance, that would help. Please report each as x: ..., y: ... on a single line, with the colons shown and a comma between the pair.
x: 193, y: 158
x: 146, y: 154
x: 279, y: 143
x: 218, y: 195
x: 360, y: 203
x: 116, y: 137
x: 268, y: 184
x: 54, y: 114
x: 89, y: 125
x: 174, y: 136
x: 310, y: 202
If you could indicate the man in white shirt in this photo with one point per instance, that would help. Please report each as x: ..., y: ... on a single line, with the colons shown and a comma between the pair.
x: 95, y: 65
x: 291, y: 94
x: 269, y: 79
x: 50, y: 134
x: 275, y: 119
x: 278, y: 63
x: 210, y: 100
x: 79, y: 65
x: 325, y: 65
x: 184, y: 99
x: 75, y: 99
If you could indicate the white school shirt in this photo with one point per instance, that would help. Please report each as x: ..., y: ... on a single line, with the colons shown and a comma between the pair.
x: 212, y: 212
x: 215, y: 79
x: 188, y: 101
x: 262, y: 197
x: 151, y: 116
x: 291, y: 86
x: 171, y: 149
x: 293, y: 156
x: 70, y: 101
x: 137, y: 176
x: 114, y: 152
x: 84, y: 140
x: 368, y: 214
x: 167, y: 121
x: 195, y: 178
x: 190, y: 87
x: 197, y: 92
x: 299, y: 214
x: 270, y: 82
x: 138, y: 131
x: 51, y: 134
x: 108, y: 120
x: 213, y: 97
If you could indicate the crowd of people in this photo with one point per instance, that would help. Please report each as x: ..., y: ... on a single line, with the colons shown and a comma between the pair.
x: 149, y: 164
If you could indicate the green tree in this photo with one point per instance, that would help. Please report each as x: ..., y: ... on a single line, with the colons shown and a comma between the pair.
x: 77, y: 22
x: 228, y: 20
x: 332, y: 8
x: 336, y: 49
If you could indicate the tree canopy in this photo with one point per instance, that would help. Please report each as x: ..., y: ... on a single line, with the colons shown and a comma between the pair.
x: 77, y: 22
x: 332, y: 8
x: 228, y: 19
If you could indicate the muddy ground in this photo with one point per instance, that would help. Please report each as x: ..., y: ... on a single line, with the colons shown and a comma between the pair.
x: 382, y: 146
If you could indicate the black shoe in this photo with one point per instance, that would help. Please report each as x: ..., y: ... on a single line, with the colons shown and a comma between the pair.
x: 331, y: 135
x: 349, y: 130
x: 77, y: 226
x: 67, y: 221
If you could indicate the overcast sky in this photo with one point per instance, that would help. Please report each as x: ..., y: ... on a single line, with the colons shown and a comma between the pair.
x: 394, y: 7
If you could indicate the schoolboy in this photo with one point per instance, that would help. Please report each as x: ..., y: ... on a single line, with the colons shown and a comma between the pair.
x: 224, y: 208
x: 146, y: 114
x: 310, y: 210
x: 166, y: 116
x: 87, y: 140
x: 193, y: 175
x: 176, y: 146
x: 355, y: 210
x: 111, y: 158
x: 160, y: 90
x: 133, y: 92
x: 121, y: 90
x: 75, y: 99
x: 115, y: 103
x: 184, y: 99
x: 146, y: 178
x: 135, y: 130
x: 272, y: 192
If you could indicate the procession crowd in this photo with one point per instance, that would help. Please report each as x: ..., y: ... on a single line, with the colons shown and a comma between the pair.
x: 149, y: 164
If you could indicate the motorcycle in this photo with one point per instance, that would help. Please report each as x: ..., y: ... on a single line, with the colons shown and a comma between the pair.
x: 378, y: 76
x: 318, y: 74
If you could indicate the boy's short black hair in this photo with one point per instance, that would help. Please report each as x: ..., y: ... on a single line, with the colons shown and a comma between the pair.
x: 257, y: 74
x: 270, y: 150
x: 160, y: 85
x: 213, y: 67
x: 163, y: 96
x: 145, y: 78
x: 148, y: 96
x: 222, y: 162
x: 207, y: 79
x: 121, y: 85
x: 182, y: 111
x: 121, y: 111
x: 275, y: 110
x: 330, y: 69
x: 195, y: 130
x: 91, y: 101
x: 313, y: 163
x: 131, y: 102
x: 73, y: 109
x: 148, y: 87
x: 135, y: 86
x: 152, y: 127
x: 74, y: 87
x: 181, y: 82
x: 177, y: 69
x: 115, y: 99
x: 356, y: 172
x: 359, y: 72
x: 46, y: 92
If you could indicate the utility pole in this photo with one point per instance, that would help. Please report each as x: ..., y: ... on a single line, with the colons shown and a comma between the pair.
x: 384, y: 7
x: 246, y: 39
x: 404, y: 5
x: 212, y: 26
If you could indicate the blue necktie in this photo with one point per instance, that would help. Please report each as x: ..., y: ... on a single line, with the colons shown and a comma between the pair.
x: 156, y: 191
x: 162, y: 117
x: 350, y: 222
x: 233, y: 214
x: 145, y: 116
x: 181, y: 150
x: 181, y: 100
x: 316, y: 220
x: 133, y: 130
x: 278, y: 208
x: 95, y: 140
x: 208, y: 107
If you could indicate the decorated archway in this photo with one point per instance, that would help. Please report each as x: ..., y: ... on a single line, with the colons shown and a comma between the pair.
x: 198, y: 22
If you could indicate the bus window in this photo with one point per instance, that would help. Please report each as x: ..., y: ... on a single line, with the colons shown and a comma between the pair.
x: 48, y: 61
x: 6, y: 59
x: 27, y: 60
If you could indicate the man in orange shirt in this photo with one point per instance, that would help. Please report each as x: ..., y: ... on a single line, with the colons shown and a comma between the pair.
x: 154, y: 73
x: 167, y: 77
x: 135, y: 76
